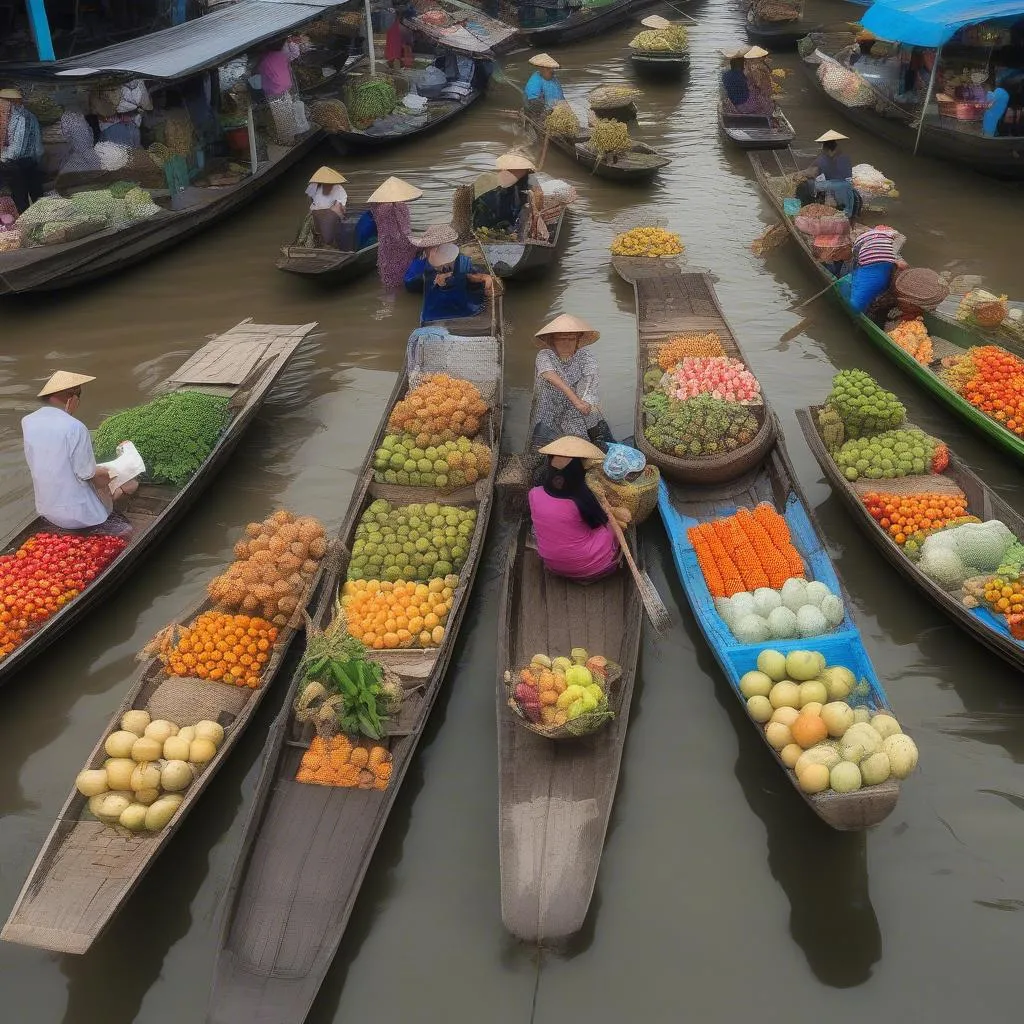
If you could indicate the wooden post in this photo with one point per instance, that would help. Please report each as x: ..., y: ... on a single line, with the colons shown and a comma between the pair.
x: 927, y: 98
x: 369, y: 39
x: 253, y: 153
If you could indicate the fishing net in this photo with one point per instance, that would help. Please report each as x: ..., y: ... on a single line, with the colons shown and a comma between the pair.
x: 844, y: 84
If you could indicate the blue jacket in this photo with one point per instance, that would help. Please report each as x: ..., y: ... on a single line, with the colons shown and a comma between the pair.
x: 549, y: 90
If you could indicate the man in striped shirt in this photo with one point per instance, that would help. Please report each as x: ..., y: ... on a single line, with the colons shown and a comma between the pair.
x: 875, y: 257
x: 22, y: 152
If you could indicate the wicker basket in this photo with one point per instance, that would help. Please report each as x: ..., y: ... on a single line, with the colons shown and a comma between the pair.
x: 639, y: 496
x: 833, y: 224
x: 919, y: 289
x: 584, y: 725
x: 985, y: 313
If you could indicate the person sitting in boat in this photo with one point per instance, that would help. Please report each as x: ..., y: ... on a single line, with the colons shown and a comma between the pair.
x: 452, y: 286
x: 327, y: 202
x: 861, y: 49
x: 542, y: 87
x: 831, y: 172
x: 875, y: 258
x: 998, y: 100
x: 566, y: 383
x: 574, y: 538
x: 759, y: 83
x: 502, y: 207
x: 734, y: 82
x: 67, y: 482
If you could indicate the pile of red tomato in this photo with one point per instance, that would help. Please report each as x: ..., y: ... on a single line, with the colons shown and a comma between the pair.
x: 998, y: 386
x: 46, y: 572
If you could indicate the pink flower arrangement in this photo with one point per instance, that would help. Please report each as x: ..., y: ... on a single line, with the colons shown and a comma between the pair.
x: 719, y: 376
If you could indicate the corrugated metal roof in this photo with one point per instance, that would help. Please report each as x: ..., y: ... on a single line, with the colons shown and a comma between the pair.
x: 183, y: 50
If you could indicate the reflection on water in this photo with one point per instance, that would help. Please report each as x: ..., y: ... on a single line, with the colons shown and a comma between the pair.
x: 718, y: 889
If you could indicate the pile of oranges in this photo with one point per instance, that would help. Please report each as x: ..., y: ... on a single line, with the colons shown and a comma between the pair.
x: 338, y: 762
x: 676, y: 349
x: 1005, y: 595
x: 440, y: 409
x: 225, y: 648
x: 902, y: 515
x: 912, y: 336
x: 997, y: 387
x: 391, y: 616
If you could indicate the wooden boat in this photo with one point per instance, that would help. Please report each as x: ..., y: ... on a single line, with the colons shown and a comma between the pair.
x: 306, y: 848
x: 755, y: 131
x: 526, y: 260
x: 86, y: 870
x: 326, y: 263
x: 928, y: 377
x: 660, y: 64
x: 581, y: 24
x: 943, y: 138
x: 555, y: 796
x: 671, y: 301
x: 465, y: 30
x: 242, y: 363
x: 775, y: 35
x: 991, y: 630
x: 615, y: 111
x: 774, y: 482
x: 48, y: 267
x: 639, y: 165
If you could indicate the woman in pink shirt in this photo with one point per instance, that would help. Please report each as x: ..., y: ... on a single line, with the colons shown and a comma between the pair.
x: 572, y: 532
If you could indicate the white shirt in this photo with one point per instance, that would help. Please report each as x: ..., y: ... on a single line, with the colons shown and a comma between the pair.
x: 58, y: 450
x: 325, y: 200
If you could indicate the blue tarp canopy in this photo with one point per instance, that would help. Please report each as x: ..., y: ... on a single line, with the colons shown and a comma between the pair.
x: 933, y: 22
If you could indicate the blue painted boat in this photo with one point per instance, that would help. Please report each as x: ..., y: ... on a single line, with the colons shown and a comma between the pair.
x: 775, y: 483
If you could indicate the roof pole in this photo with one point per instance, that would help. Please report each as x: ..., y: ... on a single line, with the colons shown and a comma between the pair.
x: 369, y: 39
x: 928, y: 97
x: 40, y: 26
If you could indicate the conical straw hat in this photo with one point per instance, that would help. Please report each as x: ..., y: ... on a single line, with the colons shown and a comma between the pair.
x: 544, y: 60
x: 327, y: 176
x: 831, y: 136
x: 490, y: 180
x: 514, y: 162
x: 572, y: 448
x: 10, y: 94
x: 656, y: 21
x: 755, y: 52
x: 394, y: 190
x: 63, y: 380
x: 436, y: 234
x: 506, y: 179
x: 442, y: 255
x: 568, y: 324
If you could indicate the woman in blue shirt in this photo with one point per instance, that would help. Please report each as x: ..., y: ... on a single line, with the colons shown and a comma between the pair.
x: 998, y: 100
x: 734, y: 81
x: 452, y: 286
x: 542, y: 85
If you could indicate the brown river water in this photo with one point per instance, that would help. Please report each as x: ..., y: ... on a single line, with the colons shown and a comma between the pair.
x: 720, y: 898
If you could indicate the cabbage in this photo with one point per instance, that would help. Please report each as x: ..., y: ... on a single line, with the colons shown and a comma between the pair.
x: 942, y: 564
x: 794, y: 593
x: 751, y: 629
x: 832, y: 609
x: 810, y: 621
x: 766, y: 601
x: 816, y: 593
x: 981, y: 544
x: 782, y: 624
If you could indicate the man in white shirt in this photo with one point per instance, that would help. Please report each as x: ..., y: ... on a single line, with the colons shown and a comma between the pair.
x: 58, y: 450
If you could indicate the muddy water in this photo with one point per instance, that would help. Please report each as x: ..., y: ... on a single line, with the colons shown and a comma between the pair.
x: 720, y: 898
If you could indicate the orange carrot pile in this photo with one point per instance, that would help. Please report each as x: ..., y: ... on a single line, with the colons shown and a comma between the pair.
x: 745, y: 551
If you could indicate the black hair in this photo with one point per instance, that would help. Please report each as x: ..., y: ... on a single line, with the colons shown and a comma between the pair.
x: 736, y: 63
x: 571, y: 482
x: 830, y: 146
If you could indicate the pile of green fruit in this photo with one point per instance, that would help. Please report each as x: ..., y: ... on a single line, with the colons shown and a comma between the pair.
x: 562, y: 120
x: 864, y: 407
x: 370, y: 101
x: 698, y: 426
x: 174, y: 434
x: 446, y: 467
x: 886, y: 456
x: 411, y: 542
x: 609, y: 136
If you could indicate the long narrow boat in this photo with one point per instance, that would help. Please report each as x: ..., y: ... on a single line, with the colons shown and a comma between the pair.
x: 86, y: 870
x: 462, y: 28
x: 306, y: 848
x: 637, y: 166
x: 329, y: 264
x: 242, y: 364
x: 775, y: 35
x: 982, y: 501
x: 755, y: 131
x: 555, y: 796
x: 660, y: 64
x: 582, y: 24
x: 679, y: 302
x: 945, y: 344
x: 671, y: 302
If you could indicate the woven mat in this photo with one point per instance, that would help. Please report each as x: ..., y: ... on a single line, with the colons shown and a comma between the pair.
x: 187, y: 701
x: 933, y: 483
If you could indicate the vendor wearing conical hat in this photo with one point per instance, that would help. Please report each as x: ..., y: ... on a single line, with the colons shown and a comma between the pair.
x: 566, y: 382
x: 574, y: 538
x: 327, y: 202
x: 452, y: 286
x: 759, y: 82
x: 389, y: 205
x: 830, y: 174
x: 501, y: 208
x: 542, y: 86
x: 58, y: 449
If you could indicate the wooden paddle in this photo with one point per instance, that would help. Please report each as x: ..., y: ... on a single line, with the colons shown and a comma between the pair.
x: 799, y: 327
x: 653, y: 604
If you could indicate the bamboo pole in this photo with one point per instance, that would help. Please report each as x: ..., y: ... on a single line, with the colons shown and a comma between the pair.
x: 370, y: 48
x: 927, y: 98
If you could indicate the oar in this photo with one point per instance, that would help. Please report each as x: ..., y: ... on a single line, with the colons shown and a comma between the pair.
x: 799, y: 327
x: 653, y: 604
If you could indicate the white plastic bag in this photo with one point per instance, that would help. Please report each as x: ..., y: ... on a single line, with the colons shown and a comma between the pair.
x: 125, y: 467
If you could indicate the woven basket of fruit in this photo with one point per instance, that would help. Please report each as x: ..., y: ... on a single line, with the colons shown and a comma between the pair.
x: 639, y: 496
x: 563, y: 698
